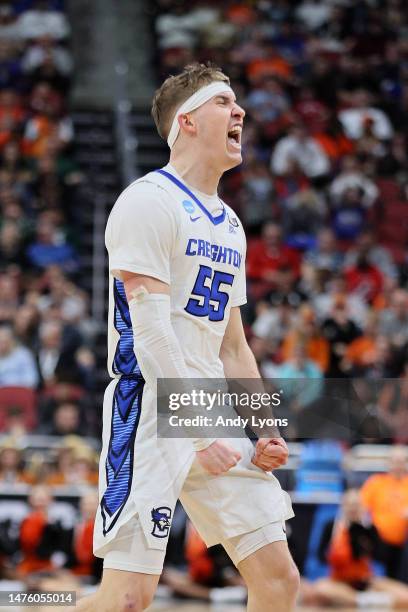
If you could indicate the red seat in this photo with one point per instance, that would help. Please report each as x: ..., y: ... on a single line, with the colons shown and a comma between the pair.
x: 399, y: 252
x: 394, y: 231
x: 23, y: 398
x: 389, y: 189
x: 396, y: 210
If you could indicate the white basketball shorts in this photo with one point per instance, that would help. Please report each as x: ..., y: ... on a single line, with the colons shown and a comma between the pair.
x: 142, y: 476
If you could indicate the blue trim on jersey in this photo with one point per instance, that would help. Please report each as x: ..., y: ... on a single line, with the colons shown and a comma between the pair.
x: 180, y: 185
x: 126, y: 409
x: 124, y: 361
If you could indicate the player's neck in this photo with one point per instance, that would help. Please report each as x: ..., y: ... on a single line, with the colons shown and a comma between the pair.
x: 199, y: 176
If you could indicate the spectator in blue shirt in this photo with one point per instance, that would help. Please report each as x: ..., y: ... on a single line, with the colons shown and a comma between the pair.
x: 17, y: 364
x: 51, y: 248
x: 325, y: 256
x: 300, y: 379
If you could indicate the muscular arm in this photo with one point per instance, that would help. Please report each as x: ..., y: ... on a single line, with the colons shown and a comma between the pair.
x: 235, y: 354
x: 239, y: 363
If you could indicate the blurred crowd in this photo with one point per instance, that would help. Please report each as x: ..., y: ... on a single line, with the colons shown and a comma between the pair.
x: 323, y: 188
x: 45, y: 331
x: 47, y: 369
x: 40, y: 533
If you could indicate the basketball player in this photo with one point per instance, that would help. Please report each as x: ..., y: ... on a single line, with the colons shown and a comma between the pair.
x: 177, y: 275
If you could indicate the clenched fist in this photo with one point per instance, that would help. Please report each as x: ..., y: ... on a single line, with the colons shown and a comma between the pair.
x: 270, y: 453
x: 218, y: 458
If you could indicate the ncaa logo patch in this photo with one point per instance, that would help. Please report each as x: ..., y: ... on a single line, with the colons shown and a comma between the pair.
x: 188, y: 206
x: 161, y: 521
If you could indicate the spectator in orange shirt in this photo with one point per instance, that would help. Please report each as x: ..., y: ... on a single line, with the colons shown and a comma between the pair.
x: 11, y: 465
x: 307, y: 333
x: 348, y: 545
x: 39, y: 131
x: 271, y: 64
x: 362, y: 351
x: 48, y: 125
x: 385, y: 496
x: 334, y: 142
x: 240, y: 15
x: 81, y: 559
x: 75, y: 466
x: 32, y: 532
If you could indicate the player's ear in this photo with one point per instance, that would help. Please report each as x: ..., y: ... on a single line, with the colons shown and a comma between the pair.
x: 187, y: 123
x: 189, y: 120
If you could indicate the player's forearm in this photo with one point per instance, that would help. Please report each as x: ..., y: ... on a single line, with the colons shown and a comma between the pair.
x: 243, y: 375
x: 239, y: 362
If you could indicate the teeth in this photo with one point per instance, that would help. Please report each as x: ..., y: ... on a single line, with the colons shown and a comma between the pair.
x: 236, y: 130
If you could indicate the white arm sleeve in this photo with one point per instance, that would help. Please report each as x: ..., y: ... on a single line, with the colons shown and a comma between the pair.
x: 157, y: 349
x: 156, y: 345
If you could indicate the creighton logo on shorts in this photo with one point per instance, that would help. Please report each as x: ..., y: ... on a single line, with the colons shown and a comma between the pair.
x: 161, y: 521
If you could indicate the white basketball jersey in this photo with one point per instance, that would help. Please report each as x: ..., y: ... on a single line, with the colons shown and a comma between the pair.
x: 160, y: 227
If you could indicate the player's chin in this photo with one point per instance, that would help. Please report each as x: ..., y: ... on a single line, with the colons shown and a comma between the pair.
x: 234, y: 158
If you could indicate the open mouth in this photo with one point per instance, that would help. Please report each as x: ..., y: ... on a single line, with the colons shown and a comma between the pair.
x: 234, y: 136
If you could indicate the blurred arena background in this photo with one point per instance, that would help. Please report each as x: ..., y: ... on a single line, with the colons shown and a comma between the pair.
x: 323, y: 196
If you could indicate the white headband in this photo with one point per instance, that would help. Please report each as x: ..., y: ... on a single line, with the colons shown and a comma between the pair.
x: 197, y: 99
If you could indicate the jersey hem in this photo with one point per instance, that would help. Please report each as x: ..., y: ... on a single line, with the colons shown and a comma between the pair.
x: 126, y: 267
x: 239, y: 301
